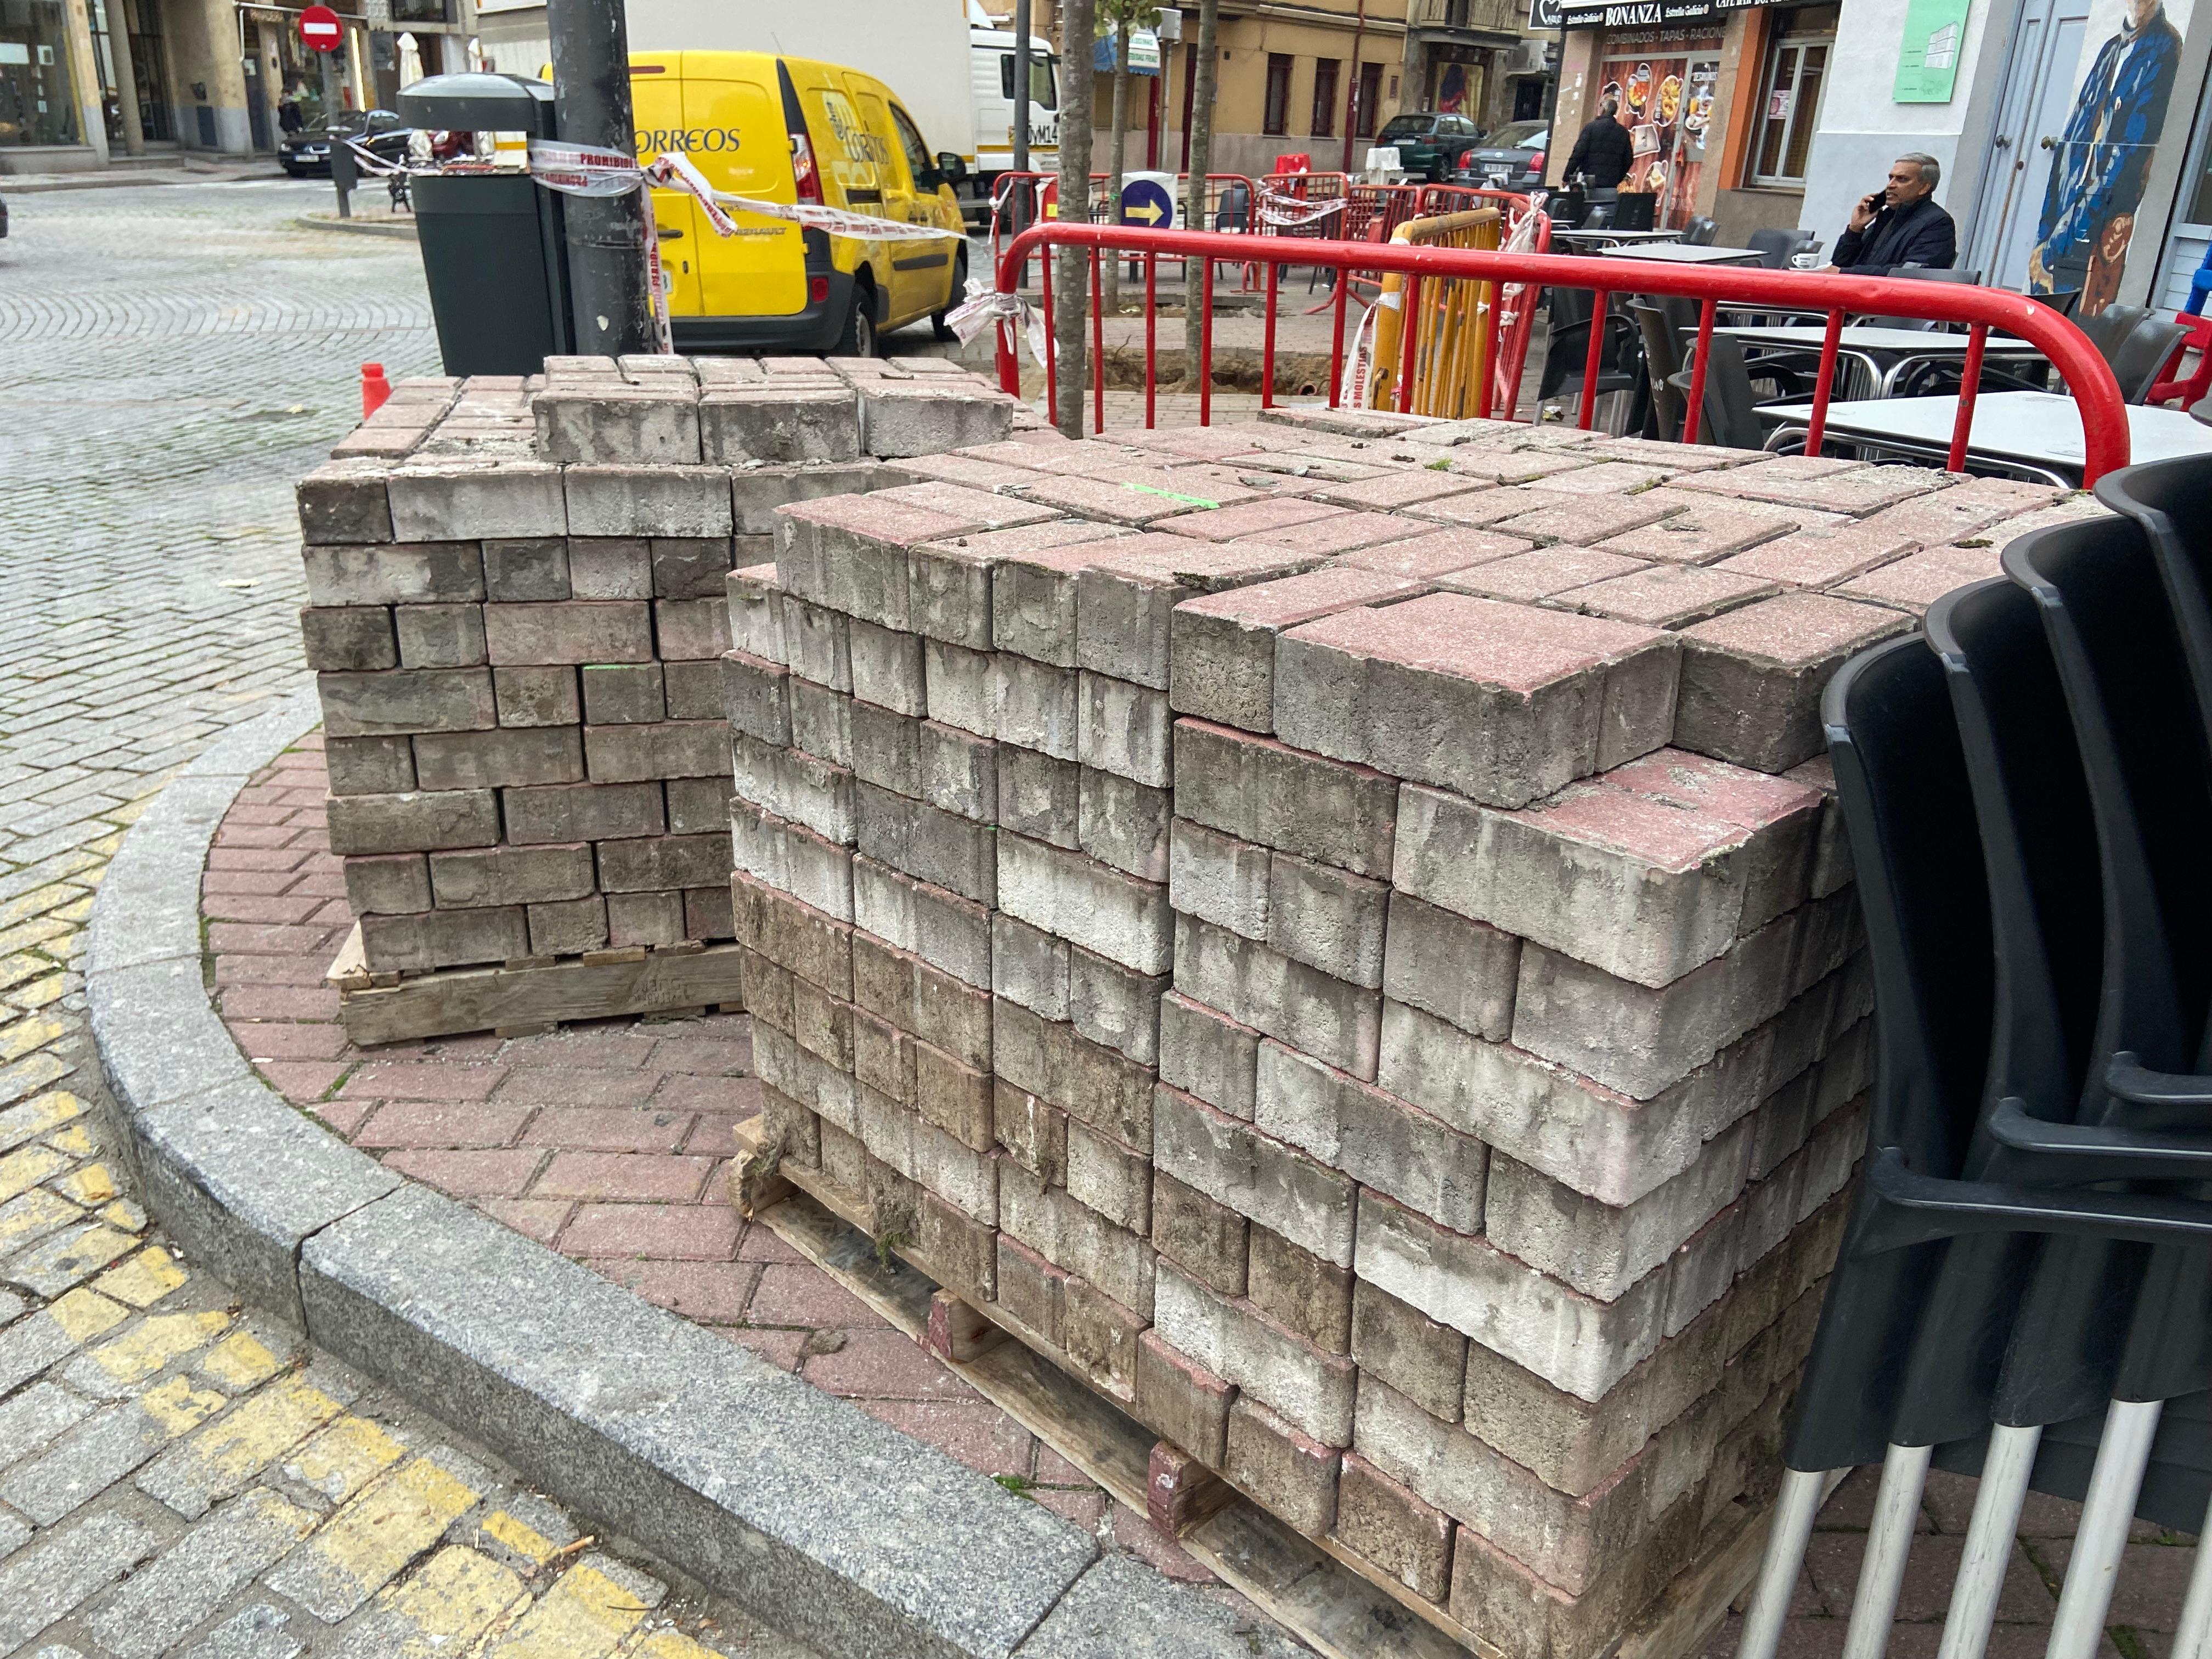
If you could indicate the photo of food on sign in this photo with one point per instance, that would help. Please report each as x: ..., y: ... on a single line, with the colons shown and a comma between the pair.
x: 1639, y: 89
x: 1667, y: 104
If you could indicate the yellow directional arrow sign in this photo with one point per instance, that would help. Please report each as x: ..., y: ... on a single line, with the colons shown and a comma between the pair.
x: 1146, y: 202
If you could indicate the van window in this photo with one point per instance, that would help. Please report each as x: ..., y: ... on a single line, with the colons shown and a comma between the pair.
x: 918, y: 158
x: 1043, y: 94
x: 879, y: 125
x: 856, y: 151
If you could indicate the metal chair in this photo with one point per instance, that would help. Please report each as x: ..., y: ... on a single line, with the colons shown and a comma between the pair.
x: 1700, y: 231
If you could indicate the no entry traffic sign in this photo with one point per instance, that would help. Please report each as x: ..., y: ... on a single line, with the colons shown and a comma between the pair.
x: 320, y: 30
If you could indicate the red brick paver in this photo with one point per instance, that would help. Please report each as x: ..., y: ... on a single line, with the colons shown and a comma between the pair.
x: 611, y: 1142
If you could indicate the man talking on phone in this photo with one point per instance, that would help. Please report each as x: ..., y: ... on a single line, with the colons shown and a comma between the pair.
x: 1899, y: 224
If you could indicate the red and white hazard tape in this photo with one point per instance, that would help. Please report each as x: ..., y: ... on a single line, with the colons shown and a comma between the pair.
x: 1294, y: 212
x: 580, y: 170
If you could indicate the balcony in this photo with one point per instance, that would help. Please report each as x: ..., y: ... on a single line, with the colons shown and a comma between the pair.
x: 1483, y: 23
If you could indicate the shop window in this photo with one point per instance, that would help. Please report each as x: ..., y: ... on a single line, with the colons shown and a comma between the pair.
x: 1276, y: 118
x: 1790, y: 107
x: 1324, y: 109
x: 1371, y: 97
x: 37, y: 104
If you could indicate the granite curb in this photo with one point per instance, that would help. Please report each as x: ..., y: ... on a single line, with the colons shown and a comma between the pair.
x: 825, y: 1522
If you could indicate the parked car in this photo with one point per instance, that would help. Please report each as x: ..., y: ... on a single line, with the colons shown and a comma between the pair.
x: 382, y: 132
x: 1427, y: 140
x: 1512, y: 158
x: 3, y: 216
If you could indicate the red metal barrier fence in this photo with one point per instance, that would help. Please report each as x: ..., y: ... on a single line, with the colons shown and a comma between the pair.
x: 2084, y: 372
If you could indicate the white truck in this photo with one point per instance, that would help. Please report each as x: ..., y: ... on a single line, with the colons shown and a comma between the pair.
x: 950, y: 63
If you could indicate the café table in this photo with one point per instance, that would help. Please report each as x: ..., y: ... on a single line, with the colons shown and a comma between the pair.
x: 2036, y: 433
x: 1881, y: 355
x: 1687, y: 253
x: 1603, y: 237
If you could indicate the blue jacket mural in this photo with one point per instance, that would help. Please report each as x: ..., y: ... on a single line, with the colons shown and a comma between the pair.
x: 2097, y: 175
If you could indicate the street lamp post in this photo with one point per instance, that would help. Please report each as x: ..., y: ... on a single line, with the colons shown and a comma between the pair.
x: 612, y: 307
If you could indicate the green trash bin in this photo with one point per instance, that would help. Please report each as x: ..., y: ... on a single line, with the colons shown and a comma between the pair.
x: 494, y: 255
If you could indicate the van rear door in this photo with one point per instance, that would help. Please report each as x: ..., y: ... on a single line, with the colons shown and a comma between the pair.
x: 656, y: 92
x: 733, y: 131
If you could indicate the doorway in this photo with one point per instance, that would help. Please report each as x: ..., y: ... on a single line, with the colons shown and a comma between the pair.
x: 2031, y: 122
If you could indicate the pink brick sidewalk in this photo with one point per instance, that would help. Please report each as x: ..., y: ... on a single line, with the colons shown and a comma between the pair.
x: 611, y: 1143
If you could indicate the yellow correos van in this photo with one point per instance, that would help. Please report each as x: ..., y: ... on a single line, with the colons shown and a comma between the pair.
x: 790, y: 130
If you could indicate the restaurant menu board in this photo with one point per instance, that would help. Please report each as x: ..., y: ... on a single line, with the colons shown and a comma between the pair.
x: 1667, y: 104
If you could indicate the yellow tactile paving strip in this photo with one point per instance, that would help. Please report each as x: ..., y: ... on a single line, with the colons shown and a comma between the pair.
x: 179, y: 1476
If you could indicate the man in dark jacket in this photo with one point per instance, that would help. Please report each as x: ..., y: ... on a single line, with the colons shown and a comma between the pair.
x: 1899, y: 224
x: 1601, y: 154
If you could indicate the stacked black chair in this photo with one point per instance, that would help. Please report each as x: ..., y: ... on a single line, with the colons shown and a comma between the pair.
x: 1566, y: 349
x: 2029, y: 1253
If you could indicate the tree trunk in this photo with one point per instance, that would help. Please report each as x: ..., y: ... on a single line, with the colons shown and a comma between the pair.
x: 1118, y: 150
x: 1071, y: 272
x: 1198, y: 274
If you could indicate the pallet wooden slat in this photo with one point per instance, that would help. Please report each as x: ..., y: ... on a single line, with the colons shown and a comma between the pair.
x: 457, y: 999
x: 1341, y: 1607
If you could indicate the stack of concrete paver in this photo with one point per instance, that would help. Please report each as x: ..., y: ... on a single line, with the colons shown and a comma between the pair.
x: 1343, y: 941
x: 516, y: 604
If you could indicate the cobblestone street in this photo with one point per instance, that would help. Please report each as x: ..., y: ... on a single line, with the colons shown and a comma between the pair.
x: 173, y: 358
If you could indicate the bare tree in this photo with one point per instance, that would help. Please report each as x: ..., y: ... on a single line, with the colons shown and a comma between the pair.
x: 1122, y: 18
x: 1071, y: 288
x: 1198, y: 273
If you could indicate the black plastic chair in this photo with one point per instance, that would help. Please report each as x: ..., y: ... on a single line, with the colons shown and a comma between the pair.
x: 1963, y: 1021
x: 1600, y: 218
x: 1777, y: 247
x: 1727, y: 418
x: 1700, y: 231
x: 2172, y: 500
x: 1235, y: 210
x: 1663, y: 360
x: 2143, y: 353
x: 1566, y: 349
x: 2103, y: 1320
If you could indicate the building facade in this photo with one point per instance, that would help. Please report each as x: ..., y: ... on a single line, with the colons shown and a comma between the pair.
x: 100, y: 83
x: 1719, y: 98
x: 1315, y: 78
x: 2074, y: 136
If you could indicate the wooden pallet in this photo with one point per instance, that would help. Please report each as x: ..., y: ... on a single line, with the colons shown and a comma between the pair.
x: 1330, y: 1599
x: 526, y: 996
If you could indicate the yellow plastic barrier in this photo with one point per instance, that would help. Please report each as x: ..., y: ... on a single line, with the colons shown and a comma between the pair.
x: 1449, y: 347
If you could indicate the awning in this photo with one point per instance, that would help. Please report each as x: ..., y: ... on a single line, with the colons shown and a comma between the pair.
x: 1144, y: 53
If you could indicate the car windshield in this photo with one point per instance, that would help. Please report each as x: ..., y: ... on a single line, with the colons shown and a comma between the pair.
x: 1406, y: 126
x: 1518, y: 135
x: 352, y: 123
